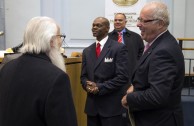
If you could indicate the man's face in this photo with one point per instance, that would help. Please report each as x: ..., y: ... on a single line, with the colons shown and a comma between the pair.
x: 99, y: 29
x: 148, y: 26
x: 58, y: 39
x: 54, y: 53
x: 119, y: 22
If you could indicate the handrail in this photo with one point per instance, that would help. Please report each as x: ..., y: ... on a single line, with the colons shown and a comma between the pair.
x: 185, y: 39
x: 187, y: 48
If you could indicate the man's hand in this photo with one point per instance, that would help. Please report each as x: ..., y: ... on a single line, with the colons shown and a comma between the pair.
x: 130, y: 89
x: 124, y: 99
x: 124, y: 102
x: 91, y: 87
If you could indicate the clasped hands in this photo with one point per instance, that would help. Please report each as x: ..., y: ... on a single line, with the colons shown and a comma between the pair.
x: 91, y: 87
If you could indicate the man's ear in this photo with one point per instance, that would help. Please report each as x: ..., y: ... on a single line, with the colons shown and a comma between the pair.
x: 161, y: 24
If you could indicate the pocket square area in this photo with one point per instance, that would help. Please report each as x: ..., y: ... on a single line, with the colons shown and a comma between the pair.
x: 108, y: 59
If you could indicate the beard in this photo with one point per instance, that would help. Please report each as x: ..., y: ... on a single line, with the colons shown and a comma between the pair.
x: 56, y: 58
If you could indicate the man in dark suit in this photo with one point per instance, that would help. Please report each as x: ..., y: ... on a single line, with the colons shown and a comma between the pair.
x: 132, y: 40
x: 8, y: 57
x: 105, y: 78
x: 34, y: 88
x: 155, y: 97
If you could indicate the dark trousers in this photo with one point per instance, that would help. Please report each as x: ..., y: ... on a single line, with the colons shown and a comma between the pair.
x: 119, y: 120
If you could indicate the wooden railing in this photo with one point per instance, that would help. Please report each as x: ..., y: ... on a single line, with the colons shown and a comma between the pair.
x: 185, y: 39
x: 189, y: 75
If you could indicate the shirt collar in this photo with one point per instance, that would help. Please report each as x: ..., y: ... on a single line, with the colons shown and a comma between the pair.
x: 102, y: 42
x: 124, y: 30
x: 157, y: 37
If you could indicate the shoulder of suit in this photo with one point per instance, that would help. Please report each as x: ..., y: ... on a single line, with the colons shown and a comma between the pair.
x: 90, y: 47
x: 115, y: 43
x: 112, y: 40
x: 93, y: 44
x: 131, y: 32
x: 112, y: 32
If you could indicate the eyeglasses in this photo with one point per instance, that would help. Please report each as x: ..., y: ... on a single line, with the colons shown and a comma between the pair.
x: 140, y: 20
x: 63, y: 36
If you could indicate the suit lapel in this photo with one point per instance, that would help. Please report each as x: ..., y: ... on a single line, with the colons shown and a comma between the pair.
x: 142, y: 59
x: 103, y: 53
x: 149, y: 51
x: 93, y: 52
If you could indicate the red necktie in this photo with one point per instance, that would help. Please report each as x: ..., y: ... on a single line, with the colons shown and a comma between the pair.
x: 98, y: 50
x: 120, y: 37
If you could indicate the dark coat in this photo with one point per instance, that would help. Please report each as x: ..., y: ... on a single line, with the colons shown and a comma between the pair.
x: 158, y: 80
x: 34, y: 92
x: 135, y: 47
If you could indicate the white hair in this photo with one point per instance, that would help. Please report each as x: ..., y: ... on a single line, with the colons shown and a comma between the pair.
x: 56, y: 58
x: 159, y: 11
x: 38, y: 34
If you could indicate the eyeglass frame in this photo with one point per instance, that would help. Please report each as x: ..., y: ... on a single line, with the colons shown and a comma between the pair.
x: 62, y: 36
x: 140, y: 20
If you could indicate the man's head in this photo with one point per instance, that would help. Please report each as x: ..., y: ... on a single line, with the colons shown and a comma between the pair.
x: 100, y: 28
x: 42, y: 35
x: 153, y: 20
x: 120, y: 21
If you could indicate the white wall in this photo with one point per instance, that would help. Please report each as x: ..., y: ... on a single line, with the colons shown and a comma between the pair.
x: 183, y: 21
x: 17, y: 14
x: 2, y: 25
x: 75, y: 18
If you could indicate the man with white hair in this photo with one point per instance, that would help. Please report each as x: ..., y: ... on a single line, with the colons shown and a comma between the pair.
x: 155, y: 94
x: 34, y: 88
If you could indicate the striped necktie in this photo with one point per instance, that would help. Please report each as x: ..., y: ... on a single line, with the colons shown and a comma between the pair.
x: 120, y: 37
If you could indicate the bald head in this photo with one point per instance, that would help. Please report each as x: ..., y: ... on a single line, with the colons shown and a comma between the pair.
x: 104, y: 20
x: 100, y: 28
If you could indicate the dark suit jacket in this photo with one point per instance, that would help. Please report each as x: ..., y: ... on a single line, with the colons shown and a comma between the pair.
x: 110, y: 73
x: 34, y: 92
x: 135, y: 46
x: 9, y: 57
x: 158, y: 80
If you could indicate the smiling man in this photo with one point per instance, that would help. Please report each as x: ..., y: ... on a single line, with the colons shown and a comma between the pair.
x: 132, y: 40
x: 155, y: 97
x: 104, y: 77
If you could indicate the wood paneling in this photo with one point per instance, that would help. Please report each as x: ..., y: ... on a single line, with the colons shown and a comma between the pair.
x: 73, y: 67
